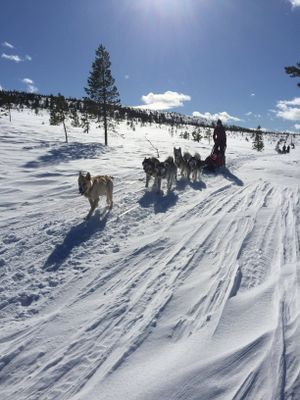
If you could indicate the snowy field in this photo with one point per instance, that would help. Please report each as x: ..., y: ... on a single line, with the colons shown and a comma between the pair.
x: 191, y: 295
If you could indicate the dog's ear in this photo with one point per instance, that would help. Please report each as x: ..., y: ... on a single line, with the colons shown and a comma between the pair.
x: 88, y: 176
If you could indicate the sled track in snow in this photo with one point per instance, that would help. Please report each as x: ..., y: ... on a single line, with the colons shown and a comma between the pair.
x: 132, y: 296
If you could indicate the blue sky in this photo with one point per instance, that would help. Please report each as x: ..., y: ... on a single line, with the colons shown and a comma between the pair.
x: 201, y: 57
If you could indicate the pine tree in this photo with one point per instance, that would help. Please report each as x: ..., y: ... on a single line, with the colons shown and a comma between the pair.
x: 101, y: 87
x: 52, y: 107
x: 258, y: 142
x: 294, y: 71
x: 58, y: 112
x: 74, y: 117
x: 35, y: 105
x: 197, y: 135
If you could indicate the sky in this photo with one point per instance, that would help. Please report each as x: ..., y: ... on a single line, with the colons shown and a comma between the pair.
x: 212, y: 58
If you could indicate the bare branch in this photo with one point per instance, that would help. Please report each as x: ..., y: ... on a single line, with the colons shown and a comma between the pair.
x: 153, y: 146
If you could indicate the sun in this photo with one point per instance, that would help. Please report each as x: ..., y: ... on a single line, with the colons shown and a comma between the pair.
x: 165, y: 9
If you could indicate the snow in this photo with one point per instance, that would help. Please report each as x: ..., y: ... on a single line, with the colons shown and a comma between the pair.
x: 188, y: 295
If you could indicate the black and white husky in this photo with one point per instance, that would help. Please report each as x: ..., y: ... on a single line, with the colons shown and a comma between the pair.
x: 160, y: 170
x: 150, y: 166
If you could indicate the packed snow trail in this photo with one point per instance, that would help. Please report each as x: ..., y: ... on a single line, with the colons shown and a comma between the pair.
x: 187, y: 295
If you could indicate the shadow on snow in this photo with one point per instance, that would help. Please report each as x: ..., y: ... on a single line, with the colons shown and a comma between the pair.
x: 160, y: 203
x: 226, y: 173
x: 182, y: 183
x: 68, y: 152
x: 75, y: 237
x: 199, y: 185
x: 230, y: 176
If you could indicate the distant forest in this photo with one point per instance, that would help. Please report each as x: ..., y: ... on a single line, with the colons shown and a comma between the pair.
x: 80, y: 111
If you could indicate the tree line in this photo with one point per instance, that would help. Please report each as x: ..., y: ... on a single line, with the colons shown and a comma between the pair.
x: 76, y: 108
x: 102, y: 104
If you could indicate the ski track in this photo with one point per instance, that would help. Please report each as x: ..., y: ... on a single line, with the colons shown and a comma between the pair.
x: 236, y: 234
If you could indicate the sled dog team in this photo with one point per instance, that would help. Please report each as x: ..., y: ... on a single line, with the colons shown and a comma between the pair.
x: 190, y: 167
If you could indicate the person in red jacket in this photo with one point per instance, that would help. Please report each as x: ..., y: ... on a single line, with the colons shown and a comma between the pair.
x: 219, y: 137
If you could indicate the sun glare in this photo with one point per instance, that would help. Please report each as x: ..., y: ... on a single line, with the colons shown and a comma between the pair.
x: 166, y: 9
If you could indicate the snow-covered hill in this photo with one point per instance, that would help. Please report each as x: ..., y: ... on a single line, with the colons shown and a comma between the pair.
x: 192, y: 295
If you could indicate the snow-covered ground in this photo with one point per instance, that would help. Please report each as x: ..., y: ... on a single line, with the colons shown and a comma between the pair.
x: 191, y: 295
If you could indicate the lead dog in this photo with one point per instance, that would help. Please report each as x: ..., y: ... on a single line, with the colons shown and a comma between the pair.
x: 94, y: 187
x: 151, y: 168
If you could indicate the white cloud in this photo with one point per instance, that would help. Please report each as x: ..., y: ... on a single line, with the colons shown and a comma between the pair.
x: 294, y: 102
x: 126, y: 76
x: 289, y: 109
x: 9, y: 45
x: 30, y: 85
x: 252, y: 94
x: 1, y: 88
x: 251, y: 114
x: 223, y: 116
x: 15, y: 57
x: 297, y: 126
x: 164, y: 101
x: 295, y: 3
x: 28, y: 81
x: 12, y: 57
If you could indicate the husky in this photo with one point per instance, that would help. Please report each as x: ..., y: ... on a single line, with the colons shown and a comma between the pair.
x: 181, y: 162
x: 196, y: 166
x: 160, y: 170
x: 94, y: 187
x: 170, y: 172
x: 150, y: 166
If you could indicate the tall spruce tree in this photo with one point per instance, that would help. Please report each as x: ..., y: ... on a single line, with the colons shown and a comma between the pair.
x: 101, y: 87
x: 294, y: 71
x: 258, y: 141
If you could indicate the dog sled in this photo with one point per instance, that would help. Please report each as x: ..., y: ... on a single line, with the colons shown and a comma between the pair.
x: 215, y: 160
